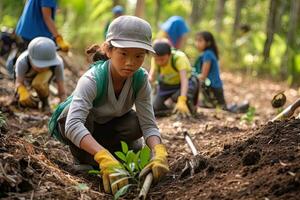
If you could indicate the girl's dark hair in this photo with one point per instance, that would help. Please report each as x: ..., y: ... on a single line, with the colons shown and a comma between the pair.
x: 210, y: 41
x: 95, y: 53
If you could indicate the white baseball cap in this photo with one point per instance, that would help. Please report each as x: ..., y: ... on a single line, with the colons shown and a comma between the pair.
x: 42, y: 52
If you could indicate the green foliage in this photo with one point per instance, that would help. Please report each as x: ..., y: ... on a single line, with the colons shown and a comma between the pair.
x: 249, y: 116
x: 122, y: 191
x: 82, y: 23
x: 133, y: 164
x: 10, y: 12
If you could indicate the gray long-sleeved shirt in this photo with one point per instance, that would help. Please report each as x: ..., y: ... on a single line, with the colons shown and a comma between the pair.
x: 82, y: 106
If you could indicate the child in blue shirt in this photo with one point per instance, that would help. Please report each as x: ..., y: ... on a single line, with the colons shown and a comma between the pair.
x: 207, y: 68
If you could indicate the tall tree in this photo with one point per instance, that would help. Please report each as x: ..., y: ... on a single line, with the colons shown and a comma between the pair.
x: 237, y: 18
x: 116, y: 2
x: 220, y: 8
x: 140, y: 7
x: 270, y: 29
x: 287, y: 65
x: 157, y: 11
x: 197, y: 10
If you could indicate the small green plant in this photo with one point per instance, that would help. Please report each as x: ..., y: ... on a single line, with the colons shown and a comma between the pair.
x: 249, y: 116
x: 133, y: 164
x: 279, y: 110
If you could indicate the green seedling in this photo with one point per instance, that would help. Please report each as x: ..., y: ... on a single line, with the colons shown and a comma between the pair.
x: 279, y: 110
x: 133, y: 164
x: 249, y: 116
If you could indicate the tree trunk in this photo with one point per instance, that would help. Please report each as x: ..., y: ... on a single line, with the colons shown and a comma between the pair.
x: 198, y: 7
x: 287, y: 65
x: 281, y: 9
x: 140, y: 7
x: 157, y: 11
x: 1, y: 9
x: 270, y: 29
x: 219, y: 15
x: 116, y: 2
x: 237, y: 17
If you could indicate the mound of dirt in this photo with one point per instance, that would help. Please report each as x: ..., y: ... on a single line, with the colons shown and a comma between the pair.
x: 267, y: 165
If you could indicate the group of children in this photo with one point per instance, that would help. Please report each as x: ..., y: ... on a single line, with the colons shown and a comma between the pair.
x: 99, y: 113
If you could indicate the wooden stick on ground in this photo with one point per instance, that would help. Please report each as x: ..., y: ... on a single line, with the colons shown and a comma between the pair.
x: 146, y: 186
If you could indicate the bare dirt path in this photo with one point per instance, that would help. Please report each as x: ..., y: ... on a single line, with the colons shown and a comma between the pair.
x: 256, y: 160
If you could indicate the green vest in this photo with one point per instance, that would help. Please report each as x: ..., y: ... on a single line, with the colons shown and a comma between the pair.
x: 101, y: 77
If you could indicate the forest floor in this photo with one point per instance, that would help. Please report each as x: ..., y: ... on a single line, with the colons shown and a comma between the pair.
x: 240, y: 160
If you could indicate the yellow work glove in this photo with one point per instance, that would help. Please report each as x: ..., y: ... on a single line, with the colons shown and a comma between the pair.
x: 62, y: 44
x: 181, y: 106
x: 25, y: 99
x: 107, y: 165
x: 158, y: 164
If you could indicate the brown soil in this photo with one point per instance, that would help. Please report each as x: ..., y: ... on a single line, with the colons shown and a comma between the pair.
x: 238, y: 160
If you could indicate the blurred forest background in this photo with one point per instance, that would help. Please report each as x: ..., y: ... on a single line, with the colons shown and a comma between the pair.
x: 258, y: 37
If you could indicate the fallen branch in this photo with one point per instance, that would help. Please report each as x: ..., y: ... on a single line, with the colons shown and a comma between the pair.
x: 7, y: 177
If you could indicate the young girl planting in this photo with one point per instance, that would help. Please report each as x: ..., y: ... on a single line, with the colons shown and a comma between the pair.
x: 100, y: 114
x: 207, y: 66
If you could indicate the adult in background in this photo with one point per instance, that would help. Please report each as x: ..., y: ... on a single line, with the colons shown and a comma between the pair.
x: 117, y: 12
x: 37, y: 20
x: 175, y: 29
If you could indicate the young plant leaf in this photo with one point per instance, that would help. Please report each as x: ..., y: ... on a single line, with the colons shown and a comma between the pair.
x: 121, y: 155
x: 136, y: 159
x: 130, y: 156
x: 124, y: 147
x: 128, y: 168
x: 121, y: 191
x: 119, y: 172
x: 93, y: 171
x: 144, y: 157
x: 132, y: 166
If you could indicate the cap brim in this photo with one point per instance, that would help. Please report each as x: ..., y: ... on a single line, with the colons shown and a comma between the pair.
x: 131, y: 44
x: 46, y: 63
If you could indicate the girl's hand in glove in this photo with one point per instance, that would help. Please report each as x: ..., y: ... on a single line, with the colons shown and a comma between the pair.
x: 108, y: 164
